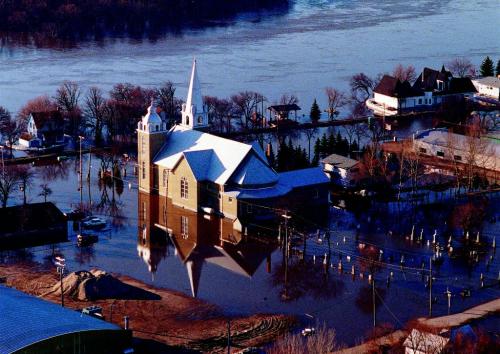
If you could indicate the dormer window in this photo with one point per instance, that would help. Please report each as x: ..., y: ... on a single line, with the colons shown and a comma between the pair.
x: 440, y: 85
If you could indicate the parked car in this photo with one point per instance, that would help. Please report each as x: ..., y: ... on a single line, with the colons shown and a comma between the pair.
x: 93, y: 222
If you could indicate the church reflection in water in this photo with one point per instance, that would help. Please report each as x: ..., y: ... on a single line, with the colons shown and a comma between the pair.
x: 196, y: 238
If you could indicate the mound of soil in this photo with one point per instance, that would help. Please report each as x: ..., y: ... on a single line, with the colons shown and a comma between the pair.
x: 97, y: 285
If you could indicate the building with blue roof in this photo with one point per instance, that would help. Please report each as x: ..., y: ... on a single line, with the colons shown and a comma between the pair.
x: 200, y: 171
x: 31, y: 325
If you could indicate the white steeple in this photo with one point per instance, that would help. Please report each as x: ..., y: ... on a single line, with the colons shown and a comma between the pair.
x: 193, y: 111
x: 151, y: 121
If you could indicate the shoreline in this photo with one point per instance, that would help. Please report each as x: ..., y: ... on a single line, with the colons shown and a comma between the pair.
x: 174, y: 321
x: 483, y: 310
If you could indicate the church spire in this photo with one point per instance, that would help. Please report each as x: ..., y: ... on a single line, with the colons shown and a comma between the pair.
x: 193, y: 111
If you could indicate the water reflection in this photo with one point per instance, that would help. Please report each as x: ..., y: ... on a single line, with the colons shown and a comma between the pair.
x: 196, y: 239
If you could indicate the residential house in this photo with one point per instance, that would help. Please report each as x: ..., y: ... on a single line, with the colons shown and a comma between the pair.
x: 44, y: 129
x: 440, y: 143
x: 431, y: 89
x: 488, y: 87
x: 203, y: 172
x: 341, y: 169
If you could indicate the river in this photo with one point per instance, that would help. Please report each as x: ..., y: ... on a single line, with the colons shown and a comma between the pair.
x: 317, y: 44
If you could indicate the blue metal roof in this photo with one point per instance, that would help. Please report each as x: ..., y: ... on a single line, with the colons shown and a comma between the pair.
x: 25, y: 320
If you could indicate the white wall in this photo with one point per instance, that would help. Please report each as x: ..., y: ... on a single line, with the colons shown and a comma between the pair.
x: 386, y: 100
x: 489, y: 91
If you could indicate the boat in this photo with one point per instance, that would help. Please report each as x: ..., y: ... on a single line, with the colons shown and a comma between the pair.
x: 93, y: 222
x: 86, y: 239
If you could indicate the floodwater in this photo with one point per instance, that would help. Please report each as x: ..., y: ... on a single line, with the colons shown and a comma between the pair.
x: 318, y: 43
x: 250, y: 278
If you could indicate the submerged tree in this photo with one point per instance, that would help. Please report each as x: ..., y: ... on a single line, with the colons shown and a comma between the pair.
x: 336, y: 100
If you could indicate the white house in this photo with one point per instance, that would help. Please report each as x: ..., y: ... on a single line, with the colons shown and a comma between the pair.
x: 488, y: 87
x: 44, y: 129
x: 341, y: 169
x: 392, y: 96
x: 450, y: 146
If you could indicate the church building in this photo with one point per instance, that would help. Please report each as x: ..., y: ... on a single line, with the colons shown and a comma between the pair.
x: 203, y: 172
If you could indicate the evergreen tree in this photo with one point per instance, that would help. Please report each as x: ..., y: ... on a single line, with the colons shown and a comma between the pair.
x: 315, y: 114
x: 498, y: 67
x: 317, y: 153
x: 486, y: 68
x: 332, y: 143
x: 323, y: 146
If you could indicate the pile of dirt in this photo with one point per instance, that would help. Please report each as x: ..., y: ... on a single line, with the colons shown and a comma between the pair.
x: 98, y: 285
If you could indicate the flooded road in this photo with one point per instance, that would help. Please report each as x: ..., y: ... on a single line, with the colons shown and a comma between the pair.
x: 250, y: 277
x: 319, y: 43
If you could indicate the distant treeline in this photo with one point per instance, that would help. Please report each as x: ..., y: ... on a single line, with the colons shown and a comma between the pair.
x: 84, y: 18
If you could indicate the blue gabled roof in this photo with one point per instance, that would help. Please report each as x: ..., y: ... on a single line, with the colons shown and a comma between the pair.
x: 26, y: 320
x: 303, y: 178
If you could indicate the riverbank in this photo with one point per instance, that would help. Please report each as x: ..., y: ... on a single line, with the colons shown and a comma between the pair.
x: 449, y: 321
x: 174, y: 321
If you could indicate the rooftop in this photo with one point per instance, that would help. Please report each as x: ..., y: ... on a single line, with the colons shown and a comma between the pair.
x: 27, y: 320
x: 489, y: 81
x: 340, y: 161
x: 214, y: 158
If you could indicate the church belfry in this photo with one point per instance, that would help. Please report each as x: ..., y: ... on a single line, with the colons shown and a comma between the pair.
x: 194, y: 115
x: 151, y: 135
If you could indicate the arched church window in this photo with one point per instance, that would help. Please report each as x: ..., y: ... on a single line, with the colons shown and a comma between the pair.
x: 187, y: 120
x: 200, y: 119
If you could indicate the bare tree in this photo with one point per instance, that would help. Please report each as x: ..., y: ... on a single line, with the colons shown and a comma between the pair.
x: 361, y: 87
x: 322, y: 342
x: 45, y: 191
x: 404, y: 73
x: 289, y: 99
x: 336, y: 99
x: 9, y: 128
x: 246, y: 104
x: 38, y: 104
x: 310, y: 134
x: 9, y: 178
x: 95, y: 111
x: 167, y: 101
x: 67, y: 97
x: 25, y: 176
x: 461, y: 67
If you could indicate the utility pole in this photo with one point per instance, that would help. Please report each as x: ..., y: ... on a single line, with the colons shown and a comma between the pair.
x: 373, y: 300
x: 81, y: 172
x: 430, y: 287
x: 3, y: 163
x: 228, y: 336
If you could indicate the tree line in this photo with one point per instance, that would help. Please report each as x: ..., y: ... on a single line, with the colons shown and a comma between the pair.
x: 97, y: 18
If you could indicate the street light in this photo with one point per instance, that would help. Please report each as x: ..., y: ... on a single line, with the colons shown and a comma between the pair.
x: 60, y: 262
x: 81, y: 172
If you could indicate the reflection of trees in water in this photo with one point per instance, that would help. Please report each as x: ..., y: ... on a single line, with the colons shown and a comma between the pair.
x: 307, y: 278
x: 364, y: 300
x: 85, y: 255
x: 54, y: 171
x: 22, y: 256
x: 108, y: 203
